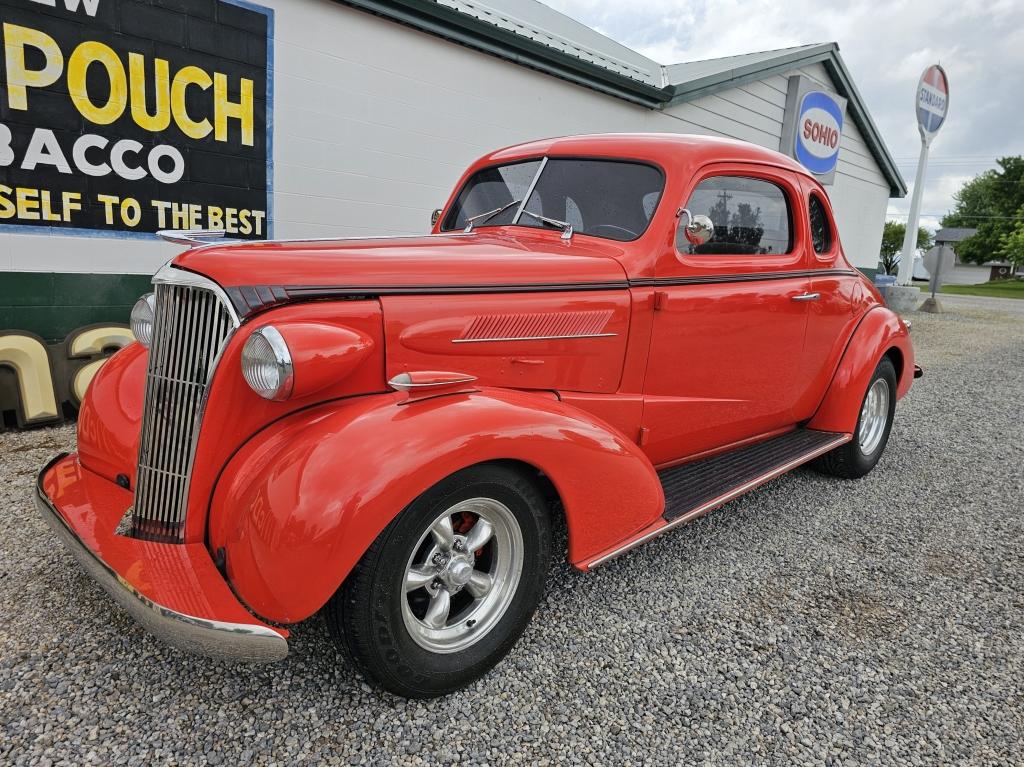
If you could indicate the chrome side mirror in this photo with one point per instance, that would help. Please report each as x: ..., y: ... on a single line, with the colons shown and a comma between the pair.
x: 698, y: 229
x: 435, y: 216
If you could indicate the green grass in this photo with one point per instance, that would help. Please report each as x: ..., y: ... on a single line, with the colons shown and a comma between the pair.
x: 995, y: 289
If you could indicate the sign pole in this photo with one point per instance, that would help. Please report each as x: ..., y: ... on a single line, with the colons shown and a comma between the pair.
x: 932, y: 104
x: 906, y: 270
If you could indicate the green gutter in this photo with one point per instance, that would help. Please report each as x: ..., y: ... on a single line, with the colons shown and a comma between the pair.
x: 455, y: 26
x: 703, y: 86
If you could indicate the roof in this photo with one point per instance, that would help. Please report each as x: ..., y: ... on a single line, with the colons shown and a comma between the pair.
x: 645, y: 146
x: 954, y: 234
x: 531, y: 34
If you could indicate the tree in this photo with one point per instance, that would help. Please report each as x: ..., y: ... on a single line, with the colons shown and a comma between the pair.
x: 892, y: 244
x: 990, y: 202
x: 1011, y: 244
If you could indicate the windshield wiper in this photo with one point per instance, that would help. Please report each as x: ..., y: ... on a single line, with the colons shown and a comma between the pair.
x: 484, y: 217
x: 565, y: 226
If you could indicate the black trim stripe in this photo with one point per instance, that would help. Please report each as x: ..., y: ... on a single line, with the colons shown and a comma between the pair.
x: 249, y: 299
x: 749, y: 277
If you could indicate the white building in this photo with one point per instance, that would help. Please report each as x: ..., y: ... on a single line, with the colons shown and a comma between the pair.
x: 361, y: 116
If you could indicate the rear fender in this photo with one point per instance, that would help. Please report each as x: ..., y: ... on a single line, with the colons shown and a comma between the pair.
x: 299, y: 504
x: 880, y: 332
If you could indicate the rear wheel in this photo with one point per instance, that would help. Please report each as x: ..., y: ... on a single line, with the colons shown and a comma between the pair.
x: 445, y: 591
x: 859, y: 456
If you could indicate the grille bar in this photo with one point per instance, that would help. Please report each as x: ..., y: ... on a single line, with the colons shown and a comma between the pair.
x: 191, y: 325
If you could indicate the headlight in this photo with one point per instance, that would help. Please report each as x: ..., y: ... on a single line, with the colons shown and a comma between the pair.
x: 142, y: 319
x: 267, y: 364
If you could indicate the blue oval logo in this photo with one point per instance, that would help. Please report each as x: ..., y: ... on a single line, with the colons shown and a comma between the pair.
x: 819, y: 130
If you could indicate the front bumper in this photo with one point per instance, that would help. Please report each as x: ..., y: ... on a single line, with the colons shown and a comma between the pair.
x: 173, y: 590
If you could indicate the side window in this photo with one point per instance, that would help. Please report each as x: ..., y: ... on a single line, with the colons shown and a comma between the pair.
x: 751, y: 217
x: 821, y: 231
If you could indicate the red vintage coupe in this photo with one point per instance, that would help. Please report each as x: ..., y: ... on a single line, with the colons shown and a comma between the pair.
x: 624, y: 331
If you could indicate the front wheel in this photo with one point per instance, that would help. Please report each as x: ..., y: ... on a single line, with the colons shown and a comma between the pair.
x: 445, y: 591
x: 859, y: 456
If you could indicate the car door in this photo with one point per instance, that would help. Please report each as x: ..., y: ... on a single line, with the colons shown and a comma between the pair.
x: 841, y: 301
x: 729, y: 316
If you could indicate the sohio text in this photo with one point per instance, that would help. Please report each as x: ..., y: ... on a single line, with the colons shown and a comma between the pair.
x: 820, y: 134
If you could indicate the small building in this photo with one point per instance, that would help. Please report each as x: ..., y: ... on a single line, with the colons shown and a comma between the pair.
x: 968, y: 273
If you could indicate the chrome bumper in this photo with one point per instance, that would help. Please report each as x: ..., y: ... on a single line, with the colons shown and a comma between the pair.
x: 216, y: 639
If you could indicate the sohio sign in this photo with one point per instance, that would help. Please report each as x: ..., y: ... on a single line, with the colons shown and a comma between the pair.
x: 813, y: 127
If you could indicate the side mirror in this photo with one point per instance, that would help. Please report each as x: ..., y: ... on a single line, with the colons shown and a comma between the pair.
x: 698, y: 229
x: 435, y: 216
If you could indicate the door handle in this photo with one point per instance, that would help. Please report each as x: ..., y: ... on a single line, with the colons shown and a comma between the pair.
x: 806, y: 297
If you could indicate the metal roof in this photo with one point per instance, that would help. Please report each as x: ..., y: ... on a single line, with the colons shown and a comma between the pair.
x: 531, y: 34
x: 954, y: 234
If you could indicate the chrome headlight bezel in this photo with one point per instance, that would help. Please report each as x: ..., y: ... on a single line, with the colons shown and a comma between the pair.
x: 267, y: 364
x: 142, y: 319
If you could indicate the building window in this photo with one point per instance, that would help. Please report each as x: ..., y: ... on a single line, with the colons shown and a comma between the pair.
x: 751, y: 217
x: 821, y: 232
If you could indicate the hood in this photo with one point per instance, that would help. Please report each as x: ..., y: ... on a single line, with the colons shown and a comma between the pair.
x: 261, y: 274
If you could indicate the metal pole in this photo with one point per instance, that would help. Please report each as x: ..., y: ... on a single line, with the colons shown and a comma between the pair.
x: 906, y: 270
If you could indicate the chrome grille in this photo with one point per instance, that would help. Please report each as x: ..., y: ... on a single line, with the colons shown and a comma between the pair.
x: 191, y: 326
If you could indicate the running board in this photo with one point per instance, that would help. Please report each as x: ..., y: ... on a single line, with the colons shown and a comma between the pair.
x: 695, y: 488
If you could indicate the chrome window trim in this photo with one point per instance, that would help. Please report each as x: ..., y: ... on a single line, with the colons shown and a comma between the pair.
x: 529, y: 190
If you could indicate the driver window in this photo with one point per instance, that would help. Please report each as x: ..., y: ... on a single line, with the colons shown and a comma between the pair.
x: 751, y: 217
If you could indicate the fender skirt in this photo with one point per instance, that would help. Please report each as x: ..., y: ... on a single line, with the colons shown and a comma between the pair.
x: 298, y: 505
x: 879, y: 332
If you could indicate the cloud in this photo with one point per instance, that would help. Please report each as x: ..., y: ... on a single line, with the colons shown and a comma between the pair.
x: 886, y: 46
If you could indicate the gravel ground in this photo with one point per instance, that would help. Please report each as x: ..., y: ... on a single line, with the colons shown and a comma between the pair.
x: 812, y: 622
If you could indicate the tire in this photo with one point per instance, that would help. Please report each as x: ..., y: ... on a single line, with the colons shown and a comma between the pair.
x: 859, y: 456
x: 403, y: 640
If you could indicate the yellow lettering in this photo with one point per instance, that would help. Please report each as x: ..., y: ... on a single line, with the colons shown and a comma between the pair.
x: 185, y: 77
x: 72, y: 202
x: 161, y: 212
x: 7, y: 208
x: 91, y: 52
x: 109, y: 201
x: 19, y: 78
x: 214, y: 217
x: 28, y: 204
x: 223, y: 109
x: 47, y: 209
x: 161, y: 116
x: 94, y: 341
x: 27, y: 357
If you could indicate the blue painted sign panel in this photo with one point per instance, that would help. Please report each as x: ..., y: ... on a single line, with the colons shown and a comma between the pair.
x: 819, y: 129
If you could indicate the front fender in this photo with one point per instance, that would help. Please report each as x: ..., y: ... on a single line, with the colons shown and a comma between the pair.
x: 299, y: 504
x: 879, y: 332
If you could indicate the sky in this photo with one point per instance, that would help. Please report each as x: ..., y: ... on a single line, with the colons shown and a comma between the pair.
x: 886, y: 46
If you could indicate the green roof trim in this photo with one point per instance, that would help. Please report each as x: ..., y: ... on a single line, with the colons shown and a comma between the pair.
x: 458, y: 27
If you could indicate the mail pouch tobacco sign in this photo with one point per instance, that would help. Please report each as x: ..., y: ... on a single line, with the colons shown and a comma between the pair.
x: 130, y: 117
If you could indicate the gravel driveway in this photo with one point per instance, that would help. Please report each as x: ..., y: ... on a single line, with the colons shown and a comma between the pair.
x: 813, y: 622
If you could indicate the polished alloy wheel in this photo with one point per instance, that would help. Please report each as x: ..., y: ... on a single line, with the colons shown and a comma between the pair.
x: 462, y: 575
x: 874, y: 415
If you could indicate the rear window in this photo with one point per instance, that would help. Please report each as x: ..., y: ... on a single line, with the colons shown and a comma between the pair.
x: 612, y: 199
x: 751, y: 217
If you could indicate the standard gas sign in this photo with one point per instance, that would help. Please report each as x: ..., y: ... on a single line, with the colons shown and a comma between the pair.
x: 813, y: 127
x: 932, y: 100
x: 126, y: 117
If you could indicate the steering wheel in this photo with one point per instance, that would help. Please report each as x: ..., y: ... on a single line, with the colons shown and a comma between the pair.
x: 631, y: 234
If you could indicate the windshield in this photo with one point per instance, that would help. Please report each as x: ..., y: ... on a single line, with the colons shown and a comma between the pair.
x: 613, y: 199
